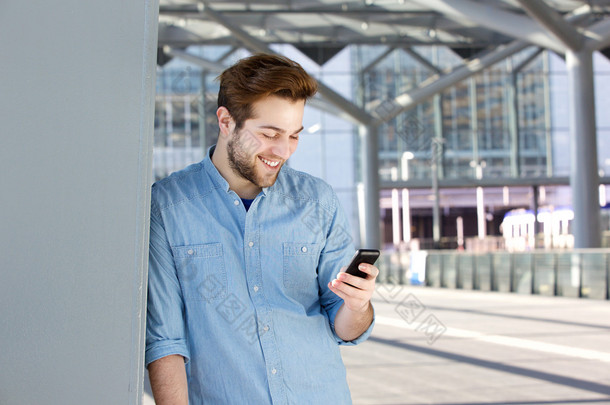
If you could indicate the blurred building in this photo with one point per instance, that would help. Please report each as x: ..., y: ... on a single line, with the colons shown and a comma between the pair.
x: 504, y: 129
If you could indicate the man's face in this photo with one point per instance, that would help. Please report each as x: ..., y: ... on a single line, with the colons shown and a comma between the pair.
x: 265, y: 142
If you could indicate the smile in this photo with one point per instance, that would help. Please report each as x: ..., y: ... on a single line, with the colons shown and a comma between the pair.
x: 270, y: 162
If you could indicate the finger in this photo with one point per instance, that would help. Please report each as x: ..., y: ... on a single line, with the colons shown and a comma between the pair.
x: 354, y: 281
x: 334, y: 287
x: 347, y: 291
x: 371, y: 271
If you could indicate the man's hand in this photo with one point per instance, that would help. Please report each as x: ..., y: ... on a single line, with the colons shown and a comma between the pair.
x: 356, y: 313
x: 355, y: 291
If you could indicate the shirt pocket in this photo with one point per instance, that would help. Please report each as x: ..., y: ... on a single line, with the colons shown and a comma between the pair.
x: 301, y: 265
x: 201, y: 271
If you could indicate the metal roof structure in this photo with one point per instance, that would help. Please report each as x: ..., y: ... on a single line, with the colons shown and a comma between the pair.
x: 482, y: 32
x: 466, y: 26
x: 332, y: 24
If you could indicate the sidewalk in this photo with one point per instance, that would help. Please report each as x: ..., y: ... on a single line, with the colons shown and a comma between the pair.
x: 454, y: 347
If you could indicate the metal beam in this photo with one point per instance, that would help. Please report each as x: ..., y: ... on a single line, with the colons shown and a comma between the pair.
x: 390, y: 109
x: 377, y: 60
x: 325, y: 106
x: 227, y: 53
x: 553, y: 22
x: 256, y: 45
x: 421, y: 60
x: 598, y: 36
x: 527, y: 61
x: 215, y: 67
x: 339, y: 10
x: 491, y: 17
x: 208, y: 65
x: 177, y: 36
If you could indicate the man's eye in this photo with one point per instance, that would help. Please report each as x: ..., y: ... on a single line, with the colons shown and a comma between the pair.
x: 295, y: 137
x: 268, y: 136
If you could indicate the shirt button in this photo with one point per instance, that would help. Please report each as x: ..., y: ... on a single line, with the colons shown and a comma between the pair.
x: 255, y: 288
x: 190, y: 251
x: 236, y: 202
x: 274, y: 371
x: 304, y: 249
x: 266, y: 329
x: 250, y: 244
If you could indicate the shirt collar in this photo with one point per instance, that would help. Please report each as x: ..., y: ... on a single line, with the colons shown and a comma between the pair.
x: 213, y: 172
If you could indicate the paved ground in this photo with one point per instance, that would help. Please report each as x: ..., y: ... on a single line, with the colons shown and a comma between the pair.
x: 453, y: 347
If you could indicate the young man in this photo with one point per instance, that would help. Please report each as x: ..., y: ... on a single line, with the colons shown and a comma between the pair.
x: 246, y: 301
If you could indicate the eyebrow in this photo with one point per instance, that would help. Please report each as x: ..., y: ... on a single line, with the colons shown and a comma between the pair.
x: 280, y: 130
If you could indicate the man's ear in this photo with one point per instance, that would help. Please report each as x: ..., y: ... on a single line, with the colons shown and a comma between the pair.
x: 225, y: 121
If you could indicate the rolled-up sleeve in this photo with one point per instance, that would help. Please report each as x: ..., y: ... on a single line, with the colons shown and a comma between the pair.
x: 165, y: 325
x: 337, y: 253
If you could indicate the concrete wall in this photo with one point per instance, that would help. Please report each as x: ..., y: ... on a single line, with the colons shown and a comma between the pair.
x: 76, y: 107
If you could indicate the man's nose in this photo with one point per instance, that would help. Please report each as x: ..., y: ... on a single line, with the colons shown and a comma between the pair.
x: 282, y: 148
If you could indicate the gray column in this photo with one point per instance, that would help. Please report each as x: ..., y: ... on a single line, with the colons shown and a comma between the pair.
x: 370, y: 177
x: 513, y: 122
x: 203, y: 127
x: 78, y: 90
x: 474, y: 119
x: 535, y: 208
x: 436, y: 216
x: 437, y: 169
x: 584, y: 175
x: 548, y: 139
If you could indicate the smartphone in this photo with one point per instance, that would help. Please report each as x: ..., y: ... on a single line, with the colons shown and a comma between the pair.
x: 362, y: 256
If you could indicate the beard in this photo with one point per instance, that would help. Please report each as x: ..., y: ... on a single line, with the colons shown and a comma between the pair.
x: 243, y: 160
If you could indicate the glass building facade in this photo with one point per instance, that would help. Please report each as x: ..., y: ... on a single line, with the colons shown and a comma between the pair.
x: 506, y: 123
x: 500, y: 116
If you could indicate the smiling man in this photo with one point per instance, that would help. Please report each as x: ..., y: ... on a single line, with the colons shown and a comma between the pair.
x: 247, y: 303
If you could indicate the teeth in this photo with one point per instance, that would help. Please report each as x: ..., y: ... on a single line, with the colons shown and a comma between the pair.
x: 270, y: 163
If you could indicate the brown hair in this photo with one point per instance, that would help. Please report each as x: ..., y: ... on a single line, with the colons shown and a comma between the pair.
x: 259, y: 76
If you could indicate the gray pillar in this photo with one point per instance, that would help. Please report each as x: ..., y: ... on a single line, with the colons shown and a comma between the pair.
x: 474, y: 119
x: 535, y: 208
x: 437, y: 169
x: 513, y: 123
x: 203, y: 126
x: 548, y: 139
x: 77, y: 127
x: 436, y: 216
x: 584, y: 176
x: 370, y: 177
x: 439, y: 132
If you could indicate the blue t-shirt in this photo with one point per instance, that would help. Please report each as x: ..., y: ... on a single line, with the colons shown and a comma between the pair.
x: 247, y: 203
x: 243, y: 295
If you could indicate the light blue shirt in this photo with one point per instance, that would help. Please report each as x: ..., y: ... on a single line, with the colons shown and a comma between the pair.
x: 242, y: 295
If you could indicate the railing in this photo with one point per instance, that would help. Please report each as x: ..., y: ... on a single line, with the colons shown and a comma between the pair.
x: 493, y: 243
x: 575, y: 273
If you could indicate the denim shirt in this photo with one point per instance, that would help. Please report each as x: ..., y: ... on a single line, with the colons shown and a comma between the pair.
x: 242, y: 295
